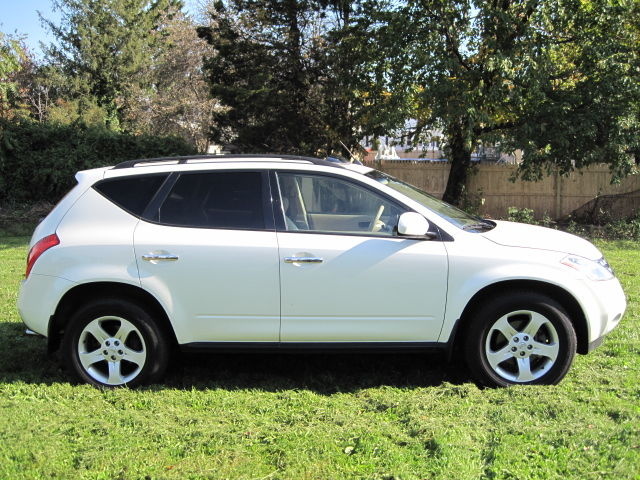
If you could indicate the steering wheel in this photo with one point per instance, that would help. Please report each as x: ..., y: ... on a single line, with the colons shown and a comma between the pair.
x: 376, y: 219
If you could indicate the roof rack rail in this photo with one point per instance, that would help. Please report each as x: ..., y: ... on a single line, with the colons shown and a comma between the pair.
x: 181, y: 160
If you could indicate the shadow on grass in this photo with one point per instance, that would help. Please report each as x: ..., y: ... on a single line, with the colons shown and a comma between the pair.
x: 25, y: 360
x: 321, y: 373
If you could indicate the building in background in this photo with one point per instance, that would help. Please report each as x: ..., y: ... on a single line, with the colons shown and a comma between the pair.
x: 396, y: 146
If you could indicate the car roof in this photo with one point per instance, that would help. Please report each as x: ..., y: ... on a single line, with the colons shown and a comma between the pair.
x: 195, y: 159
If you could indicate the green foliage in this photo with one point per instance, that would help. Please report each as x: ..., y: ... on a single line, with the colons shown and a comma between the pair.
x: 80, y: 111
x: 521, y: 215
x: 284, y: 74
x: 547, y: 221
x: 12, y: 54
x: 128, y: 65
x: 348, y: 417
x: 472, y: 202
x: 178, y: 101
x: 581, y: 105
x: 257, y: 73
x: 38, y: 161
x: 105, y: 46
x: 576, y: 228
x: 557, y: 79
x: 9, y: 63
x: 38, y: 87
x: 621, y: 229
x: 628, y: 229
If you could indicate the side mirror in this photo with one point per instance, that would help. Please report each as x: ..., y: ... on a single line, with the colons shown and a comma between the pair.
x: 412, y: 224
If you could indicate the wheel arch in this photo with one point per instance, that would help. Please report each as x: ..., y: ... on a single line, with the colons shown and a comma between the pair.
x: 84, y: 293
x: 568, y: 302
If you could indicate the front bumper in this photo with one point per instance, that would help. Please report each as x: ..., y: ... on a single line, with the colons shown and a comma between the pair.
x: 595, y: 344
x: 604, y: 306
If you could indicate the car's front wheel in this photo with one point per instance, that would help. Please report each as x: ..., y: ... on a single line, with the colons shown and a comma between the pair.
x: 111, y: 343
x: 521, y: 338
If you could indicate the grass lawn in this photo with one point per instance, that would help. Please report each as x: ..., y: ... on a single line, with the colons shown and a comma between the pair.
x: 319, y: 417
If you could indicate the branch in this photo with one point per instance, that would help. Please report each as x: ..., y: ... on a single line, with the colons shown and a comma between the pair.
x: 453, y: 49
x: 498, y: 126
x: 521, y: 22
x: 450, y: 43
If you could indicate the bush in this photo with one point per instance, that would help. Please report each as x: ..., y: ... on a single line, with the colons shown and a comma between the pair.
x: 521, y: 215
x: 472, y: 202
x: 38, y: 160
x: 628, y: 229
x: 625, y: 229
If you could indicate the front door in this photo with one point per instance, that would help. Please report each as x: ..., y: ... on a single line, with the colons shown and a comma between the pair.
x: 345, y: 275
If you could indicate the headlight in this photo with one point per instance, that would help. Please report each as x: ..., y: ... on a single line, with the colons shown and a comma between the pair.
x: 594, y: 270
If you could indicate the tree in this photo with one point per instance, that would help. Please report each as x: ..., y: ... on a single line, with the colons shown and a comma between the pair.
x: 12, y: 54
x: 33, y: 89
x: 282, y: 72
x: 103, y: 45
x: 39, y: 86
x: 257, y: 73
x: 581, y: 106
x: 558, y: 79
x: 173, y: 97
x: 348, y: 102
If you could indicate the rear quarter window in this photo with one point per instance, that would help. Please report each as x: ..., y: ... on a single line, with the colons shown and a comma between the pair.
x: 132, y: 194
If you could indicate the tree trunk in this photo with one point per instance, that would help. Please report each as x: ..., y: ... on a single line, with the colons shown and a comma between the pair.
x: 295, y: 114
x: 460, y: 146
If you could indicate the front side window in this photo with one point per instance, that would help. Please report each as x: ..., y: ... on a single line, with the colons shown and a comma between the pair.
x: 327, y: 204
x: 232, y: 200
x: 457, y: 217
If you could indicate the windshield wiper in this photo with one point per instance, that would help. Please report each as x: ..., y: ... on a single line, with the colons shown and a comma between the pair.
x: 485, y: 225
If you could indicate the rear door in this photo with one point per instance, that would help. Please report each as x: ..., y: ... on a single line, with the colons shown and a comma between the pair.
x: 209, y: 252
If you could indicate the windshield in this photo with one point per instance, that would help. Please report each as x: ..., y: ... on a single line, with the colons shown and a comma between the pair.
x: 453, y: 214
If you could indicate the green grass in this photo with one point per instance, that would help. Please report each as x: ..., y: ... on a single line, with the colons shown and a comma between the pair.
x: 319, y: 417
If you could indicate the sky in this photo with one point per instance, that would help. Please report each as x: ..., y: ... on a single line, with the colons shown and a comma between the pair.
x: 21, y: 17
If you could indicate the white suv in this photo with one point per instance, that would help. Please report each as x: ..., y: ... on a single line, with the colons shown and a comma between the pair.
x: 293, y: 253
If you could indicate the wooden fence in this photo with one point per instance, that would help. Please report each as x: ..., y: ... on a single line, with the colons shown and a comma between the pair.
x: 555, y: 195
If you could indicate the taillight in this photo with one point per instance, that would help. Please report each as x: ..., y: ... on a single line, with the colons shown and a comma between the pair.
x: 38, y: 249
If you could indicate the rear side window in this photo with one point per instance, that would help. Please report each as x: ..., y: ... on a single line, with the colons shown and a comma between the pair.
x: 132, y: 194
x: 231, y: 200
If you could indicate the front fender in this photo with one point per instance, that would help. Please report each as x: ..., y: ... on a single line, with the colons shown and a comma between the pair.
x: 469, y: 280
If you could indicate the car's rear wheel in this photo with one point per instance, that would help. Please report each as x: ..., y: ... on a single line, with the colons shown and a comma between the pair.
x: 112, y: 343
x: 521, y: 338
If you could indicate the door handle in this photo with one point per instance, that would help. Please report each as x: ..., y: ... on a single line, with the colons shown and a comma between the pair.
x: 153, y: 257
x: 303, y: 260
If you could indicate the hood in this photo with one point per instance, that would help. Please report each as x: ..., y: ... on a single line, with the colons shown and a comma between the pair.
x: 512, y: 234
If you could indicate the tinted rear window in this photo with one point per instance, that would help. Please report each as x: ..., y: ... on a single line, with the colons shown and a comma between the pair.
x: 133, y: 194
x: 215, y: 200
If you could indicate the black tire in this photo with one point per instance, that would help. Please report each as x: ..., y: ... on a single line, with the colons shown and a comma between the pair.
x: 119, y: 343
x: 521, y: 338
